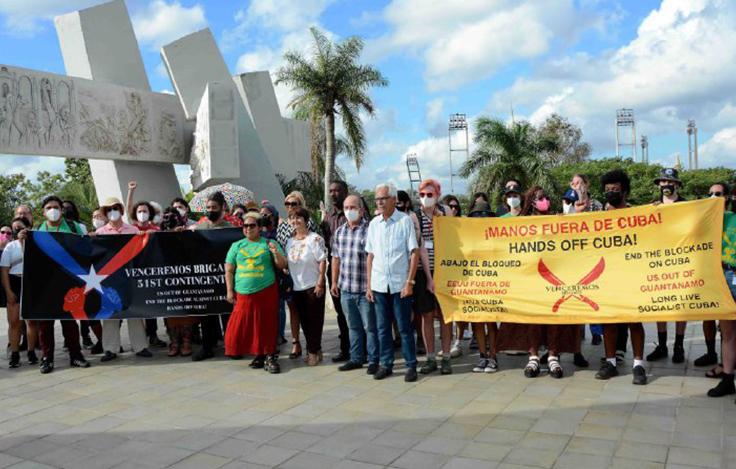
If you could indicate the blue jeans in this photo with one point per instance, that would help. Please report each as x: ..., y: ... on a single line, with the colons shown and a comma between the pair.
x: 362, y: 325
x: 729, y: 274
x: 388, y: 306
x: 596, y: 329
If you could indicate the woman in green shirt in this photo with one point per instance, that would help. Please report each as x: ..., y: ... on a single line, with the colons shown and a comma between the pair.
x: 251, y: 286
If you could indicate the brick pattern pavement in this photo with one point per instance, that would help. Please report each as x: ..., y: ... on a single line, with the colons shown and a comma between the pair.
x: 161, y: 412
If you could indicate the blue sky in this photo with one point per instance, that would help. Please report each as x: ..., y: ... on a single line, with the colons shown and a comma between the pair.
x: 670, y: 61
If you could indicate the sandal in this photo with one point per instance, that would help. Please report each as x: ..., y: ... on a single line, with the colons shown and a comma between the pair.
x: 296, y: 349
x: 555, y: 369
x: 712, y: 373
x: 531, y: 370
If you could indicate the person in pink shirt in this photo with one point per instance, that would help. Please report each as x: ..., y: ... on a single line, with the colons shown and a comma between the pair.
x: 144, y: 214
x: 114, y: 210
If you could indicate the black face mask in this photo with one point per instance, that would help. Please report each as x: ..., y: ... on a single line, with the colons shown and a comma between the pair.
x: 213, y: 216
x: 169, y: 222
x: 68, y: 213
x: 16, y: 233
x: 667, y: 190
x: 614, y: 198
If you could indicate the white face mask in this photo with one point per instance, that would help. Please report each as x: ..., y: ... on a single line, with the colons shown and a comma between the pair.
x: 182, y: 211
x: 98, y: 223
x: 53, y: 215
x: 513, y: 202
x: 142, y: 216
x: 157, y: 219
x: 352, y: 215
x: 428, y: 202
x: 568, y: 208
x: 113, y: 215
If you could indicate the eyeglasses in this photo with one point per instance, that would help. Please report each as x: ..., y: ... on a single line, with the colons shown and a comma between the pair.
x: 292, y: 204
x: 716, y: 194
x: 382, y: 199
x: 250, y: 225
x: 426, y: 194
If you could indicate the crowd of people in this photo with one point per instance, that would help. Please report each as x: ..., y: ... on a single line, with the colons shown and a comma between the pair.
x: 377, y: 266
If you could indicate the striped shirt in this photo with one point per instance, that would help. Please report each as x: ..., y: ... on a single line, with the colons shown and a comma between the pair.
x: 428, y: 237
x: 348, y: 245
x: 285, y: 231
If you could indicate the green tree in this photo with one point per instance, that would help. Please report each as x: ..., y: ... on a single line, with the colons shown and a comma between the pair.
x: 77, y: 169
x: 566, y: 139
x: 642, y: 175
x: 332, y: 83
x: 508, y: 151
x: 74, y: 184
x: 13, y: 192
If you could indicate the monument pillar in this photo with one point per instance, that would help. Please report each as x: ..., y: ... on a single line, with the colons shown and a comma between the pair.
x: 98, y: 43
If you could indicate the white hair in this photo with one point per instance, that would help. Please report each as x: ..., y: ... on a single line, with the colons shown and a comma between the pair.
x: 389, y: 186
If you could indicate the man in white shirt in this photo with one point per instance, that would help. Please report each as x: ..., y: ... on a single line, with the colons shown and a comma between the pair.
x: 393, y: 256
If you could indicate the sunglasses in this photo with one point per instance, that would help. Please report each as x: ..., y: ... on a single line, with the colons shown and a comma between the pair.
x: 6, y: 232
x: 250, y: 225
x: 292, y: 204
x: 426, y: 194
x: 717, y: 194
x: 454, y: 206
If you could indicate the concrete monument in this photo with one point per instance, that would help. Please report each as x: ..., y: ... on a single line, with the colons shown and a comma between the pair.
x: 228, y: 129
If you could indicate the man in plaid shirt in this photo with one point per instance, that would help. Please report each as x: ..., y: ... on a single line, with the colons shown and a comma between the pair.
x: 350, y: 283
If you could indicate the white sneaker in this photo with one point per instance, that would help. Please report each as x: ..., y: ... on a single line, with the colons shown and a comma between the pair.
x: 491, y: 366
x: 456, y: 350
x: 481, y: 366
x: 468, y: 334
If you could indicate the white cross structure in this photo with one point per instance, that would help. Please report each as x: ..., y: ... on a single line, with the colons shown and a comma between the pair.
x: 228, y: 129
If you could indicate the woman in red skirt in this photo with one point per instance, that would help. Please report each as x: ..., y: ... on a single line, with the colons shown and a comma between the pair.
x: 251, y: 286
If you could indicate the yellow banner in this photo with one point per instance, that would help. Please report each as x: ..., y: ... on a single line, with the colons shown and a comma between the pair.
x: 641, y: 264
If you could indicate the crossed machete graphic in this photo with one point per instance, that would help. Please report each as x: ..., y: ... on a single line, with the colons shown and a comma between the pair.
x: 589, y: 278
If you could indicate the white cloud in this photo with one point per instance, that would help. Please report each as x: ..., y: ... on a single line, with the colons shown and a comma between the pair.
x: 284, y: 15
x: 435, y: 116
x: 183, y: 174
x: 25, y: 18
x: 270, y: 29
x: 30, y: 166
x: 162, y: 22
x: 462, y: 41
x: 719, y: 150
x: 680, y: 65
x: 433, y: 157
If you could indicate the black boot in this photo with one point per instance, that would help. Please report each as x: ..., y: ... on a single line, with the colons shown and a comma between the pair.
x: 659, y: 353
x: 724, y: 388
x: 14, y: 360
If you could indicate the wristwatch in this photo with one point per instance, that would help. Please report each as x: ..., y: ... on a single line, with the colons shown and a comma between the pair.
x: 411, y: 282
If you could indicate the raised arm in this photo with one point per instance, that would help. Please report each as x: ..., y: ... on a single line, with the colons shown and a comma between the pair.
x: 132, y: 185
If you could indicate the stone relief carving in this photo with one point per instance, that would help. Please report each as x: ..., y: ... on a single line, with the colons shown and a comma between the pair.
x: 110, y: 129
x: 47, y: 114
x: 169, y: 143
x: 35, y: 113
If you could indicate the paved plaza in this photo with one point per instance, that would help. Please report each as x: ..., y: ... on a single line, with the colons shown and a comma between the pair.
x: 162, y: 412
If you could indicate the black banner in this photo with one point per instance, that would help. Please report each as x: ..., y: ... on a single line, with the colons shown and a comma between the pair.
x: 66, y: 276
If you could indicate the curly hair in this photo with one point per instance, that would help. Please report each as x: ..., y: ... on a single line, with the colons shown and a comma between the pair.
x: 616, y: 176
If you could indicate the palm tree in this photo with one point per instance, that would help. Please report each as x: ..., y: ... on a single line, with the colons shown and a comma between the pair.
x: 504, y: 152
x: 332, y: 83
